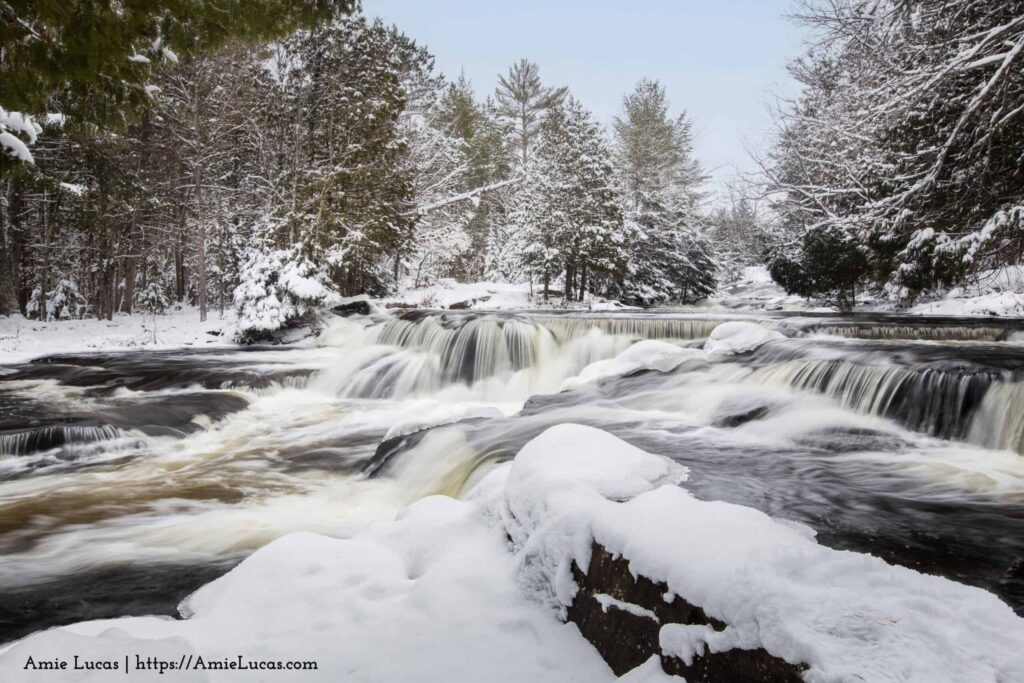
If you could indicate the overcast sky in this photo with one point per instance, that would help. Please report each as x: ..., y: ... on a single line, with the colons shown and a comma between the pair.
x: 721, y: 60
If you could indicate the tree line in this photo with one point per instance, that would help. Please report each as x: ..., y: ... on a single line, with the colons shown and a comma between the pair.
x: 330, y: 158
x: 900, y: 167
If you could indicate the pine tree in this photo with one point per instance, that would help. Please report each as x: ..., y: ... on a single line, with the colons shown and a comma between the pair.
x: 98, y: 57
x: 524, y: 100
x: 354, y: 204
x: 568, y: 211
x: 672, y: 258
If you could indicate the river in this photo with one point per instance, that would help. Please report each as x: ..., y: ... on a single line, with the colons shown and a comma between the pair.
x: 129, y: 479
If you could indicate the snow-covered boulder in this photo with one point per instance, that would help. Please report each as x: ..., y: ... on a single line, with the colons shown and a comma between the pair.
x: 649, y: 354
x: 845, y: 616
x: 739, y: 337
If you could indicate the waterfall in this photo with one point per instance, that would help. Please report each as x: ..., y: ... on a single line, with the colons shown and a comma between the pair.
x: 571, y: 327
x: 47, y: 437
x: 497, y: 358
x: 507, y: 358
x: 929, y: 400
x: 922, y: 330
x: 999, y: 422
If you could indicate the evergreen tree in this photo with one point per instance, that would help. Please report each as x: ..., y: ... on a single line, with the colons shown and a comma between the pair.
x: 354, y: 203
x: 525, y: 101
x: 671, y: 257
x: 97, y: 57
x: 568, y: 211
x: 906, y: 141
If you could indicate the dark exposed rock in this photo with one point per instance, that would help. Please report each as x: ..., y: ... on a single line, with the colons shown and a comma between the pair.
x: 468, y: 304
x: 626, y: 640
x: 743, y: 418
x: 352, y: 308
x: 389, y: 448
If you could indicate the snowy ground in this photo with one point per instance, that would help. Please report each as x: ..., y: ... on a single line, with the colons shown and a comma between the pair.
x: 490, y: 296
x: 467, y: 590
x: 996, y: 293
x: 22, y: 339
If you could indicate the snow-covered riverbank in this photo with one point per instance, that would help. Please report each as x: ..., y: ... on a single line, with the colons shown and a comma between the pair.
x: 22, y: 339
x: 474, y: 589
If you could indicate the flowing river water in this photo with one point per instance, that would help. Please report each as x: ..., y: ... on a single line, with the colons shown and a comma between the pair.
x: 129, y: 479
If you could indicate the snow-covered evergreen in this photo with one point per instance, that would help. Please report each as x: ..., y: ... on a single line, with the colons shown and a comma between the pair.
x: 339, y: 151
x: 904, y: 149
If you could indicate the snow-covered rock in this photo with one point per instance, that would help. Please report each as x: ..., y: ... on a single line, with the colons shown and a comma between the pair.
x: 648, y: 354
x: 739, y: 337
x: 848, y: 616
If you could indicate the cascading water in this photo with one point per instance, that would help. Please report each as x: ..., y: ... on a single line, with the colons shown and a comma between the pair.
x: 949, y: 398
x: 999, y: 422
x: 142, y: 470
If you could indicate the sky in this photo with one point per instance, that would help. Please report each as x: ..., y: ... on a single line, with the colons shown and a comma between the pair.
x: 723, y: 61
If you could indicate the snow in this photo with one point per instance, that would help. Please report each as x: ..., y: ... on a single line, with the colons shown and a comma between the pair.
x: 754, y: 289
x: 459, y: 590
x: 648, y: 354
x: 1010, y: 304
x: 431, y: 596
x: 22, y: 339
x: 735, y: 337
x: 487, y: 296
x: 15, y: 147
x: 995, y: 293
x: 19, y: 123
x: 849, y: 616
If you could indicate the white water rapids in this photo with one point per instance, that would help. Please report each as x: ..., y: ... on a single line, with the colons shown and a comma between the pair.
x: 192, y: 458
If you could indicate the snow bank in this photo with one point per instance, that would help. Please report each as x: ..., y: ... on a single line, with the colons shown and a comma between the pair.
x: 477, y: 295
x: 487, y: 296
x: 991, y: 304
x: 848, y: 616
x: 649, y: 354
x: 440, y: 593
x: 22, y: 339
x: 431, y: 596
x: 739, y: 337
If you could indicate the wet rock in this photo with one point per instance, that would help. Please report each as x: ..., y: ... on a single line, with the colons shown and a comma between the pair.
x: 352, y: 308
x: 626, y: 637
x: 737, y: 419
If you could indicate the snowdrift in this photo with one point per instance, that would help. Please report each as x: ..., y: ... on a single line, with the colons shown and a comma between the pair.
x: 476, y: 590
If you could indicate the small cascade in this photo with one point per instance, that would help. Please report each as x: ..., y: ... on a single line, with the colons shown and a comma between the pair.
x: 927, y: 400
x: 924, y: 329
x: 469, y: 348
x: 571, y: 327
x: 999, y: 422
x: 23, y: 441
x: 497, y: 358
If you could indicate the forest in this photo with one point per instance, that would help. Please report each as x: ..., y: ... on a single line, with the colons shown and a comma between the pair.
x: 269, y: 165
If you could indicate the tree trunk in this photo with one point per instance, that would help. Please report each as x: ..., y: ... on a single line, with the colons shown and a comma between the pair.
x: 201, y: 246
x: 10, y: 247
x: 130, y: 273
